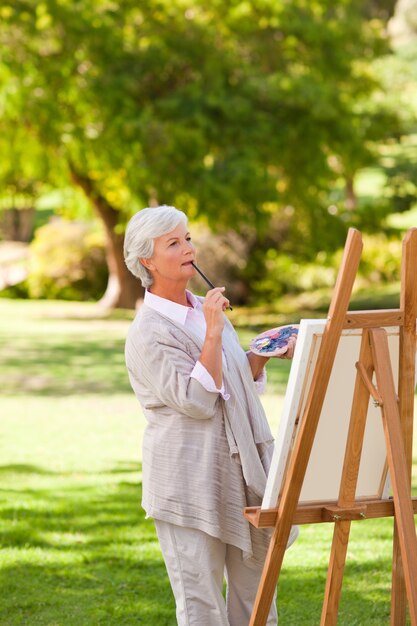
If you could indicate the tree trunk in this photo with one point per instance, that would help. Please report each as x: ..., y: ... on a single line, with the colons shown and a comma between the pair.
x: 123, y: 289
x: 351, y: 201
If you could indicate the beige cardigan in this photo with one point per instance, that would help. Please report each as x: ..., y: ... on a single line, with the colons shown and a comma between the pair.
x: 204, y: 459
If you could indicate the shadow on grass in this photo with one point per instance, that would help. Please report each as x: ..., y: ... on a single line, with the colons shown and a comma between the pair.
x: 91, y: 366
x: 80, y: 554
x: 53, y: 367
x: 301, y: 587
x: 26, y: 468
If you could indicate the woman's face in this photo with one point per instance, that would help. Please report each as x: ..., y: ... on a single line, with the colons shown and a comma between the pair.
x: 172, y: 256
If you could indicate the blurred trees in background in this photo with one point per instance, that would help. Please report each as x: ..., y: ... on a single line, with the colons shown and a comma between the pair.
x: 67, y: 262
x: 252, y: 116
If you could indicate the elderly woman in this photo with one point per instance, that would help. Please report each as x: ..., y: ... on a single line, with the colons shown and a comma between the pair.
x: 207, y: 444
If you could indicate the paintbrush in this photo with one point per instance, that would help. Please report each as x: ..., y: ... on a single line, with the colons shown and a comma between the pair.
x: 204, y: 277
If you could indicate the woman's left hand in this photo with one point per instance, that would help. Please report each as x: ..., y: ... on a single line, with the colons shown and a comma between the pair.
x: 257, y: 364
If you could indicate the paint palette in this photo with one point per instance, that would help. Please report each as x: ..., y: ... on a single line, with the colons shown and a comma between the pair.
x: 274, y: 342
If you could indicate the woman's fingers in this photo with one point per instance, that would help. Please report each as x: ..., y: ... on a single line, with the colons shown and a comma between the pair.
x: 215, y: 298
x: 214, y: 305
x: 226, y: 304
x: 214, y: 293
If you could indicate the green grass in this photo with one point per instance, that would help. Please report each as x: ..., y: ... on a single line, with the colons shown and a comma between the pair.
x: 76, y: 549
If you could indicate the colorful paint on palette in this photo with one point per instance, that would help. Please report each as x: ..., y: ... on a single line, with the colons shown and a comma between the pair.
x: 274, y: 342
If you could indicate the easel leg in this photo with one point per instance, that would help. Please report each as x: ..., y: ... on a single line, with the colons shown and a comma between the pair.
x: 348, y: 484
x: 406, y: 385
x: 335, y: 573
x: 398, y: 592
x: 397, y: 464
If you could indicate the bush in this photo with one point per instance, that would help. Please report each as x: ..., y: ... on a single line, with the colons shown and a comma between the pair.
x: 381, y: 259
x: 221, y: 256
x: 67, y: 261
x: 287, y: 275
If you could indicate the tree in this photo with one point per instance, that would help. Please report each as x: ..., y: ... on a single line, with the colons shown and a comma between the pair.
x: 22, y: 168
x: 233, y: 111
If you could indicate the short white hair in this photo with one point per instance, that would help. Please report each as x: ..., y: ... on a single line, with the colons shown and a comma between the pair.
x: 145, y: 226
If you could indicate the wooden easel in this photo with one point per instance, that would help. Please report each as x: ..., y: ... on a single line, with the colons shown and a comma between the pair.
x: 397, y: 416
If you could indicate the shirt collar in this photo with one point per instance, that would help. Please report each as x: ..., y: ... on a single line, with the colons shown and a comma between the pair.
x: 175, y: 312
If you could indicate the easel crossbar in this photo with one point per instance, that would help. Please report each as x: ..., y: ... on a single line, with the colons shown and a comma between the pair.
x: 373, y: 391
x: 318, y: 513
x: 373, y: 319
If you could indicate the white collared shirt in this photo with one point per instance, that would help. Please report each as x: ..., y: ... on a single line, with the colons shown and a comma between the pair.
x: 193, y: 318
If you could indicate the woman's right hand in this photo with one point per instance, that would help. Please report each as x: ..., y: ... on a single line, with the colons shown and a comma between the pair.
x: 213, y: 306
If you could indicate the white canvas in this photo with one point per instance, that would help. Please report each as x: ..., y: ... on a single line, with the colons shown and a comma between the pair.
x: 322, y: 479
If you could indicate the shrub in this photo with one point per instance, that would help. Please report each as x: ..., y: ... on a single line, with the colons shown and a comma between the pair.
x: 287, y: 275
x: 67, y: 261
x: 381, y: 259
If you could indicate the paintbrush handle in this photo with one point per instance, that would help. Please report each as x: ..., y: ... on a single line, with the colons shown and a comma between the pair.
x: 204, y: 277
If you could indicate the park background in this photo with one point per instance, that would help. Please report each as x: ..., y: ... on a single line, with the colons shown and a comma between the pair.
x: 276, y: 126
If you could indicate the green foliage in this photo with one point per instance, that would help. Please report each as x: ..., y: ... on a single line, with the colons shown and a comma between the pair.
x: 398, y: 157
x: 284, y: 275
x: 67, y: 261
x: 381, y: 260
x: 16, y: 292
x: 22, y: 167
x: 225, y: 109
x: 254, y: 117
x: 288, y: 276
x: 401, y: 186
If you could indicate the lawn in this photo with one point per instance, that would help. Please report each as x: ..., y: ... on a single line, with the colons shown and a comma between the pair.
x: 76, y: 549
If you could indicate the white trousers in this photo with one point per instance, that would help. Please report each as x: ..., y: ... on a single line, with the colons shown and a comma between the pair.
x: 196, y: 564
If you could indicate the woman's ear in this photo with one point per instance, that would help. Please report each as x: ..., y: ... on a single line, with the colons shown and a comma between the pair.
x: 147, y: 263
